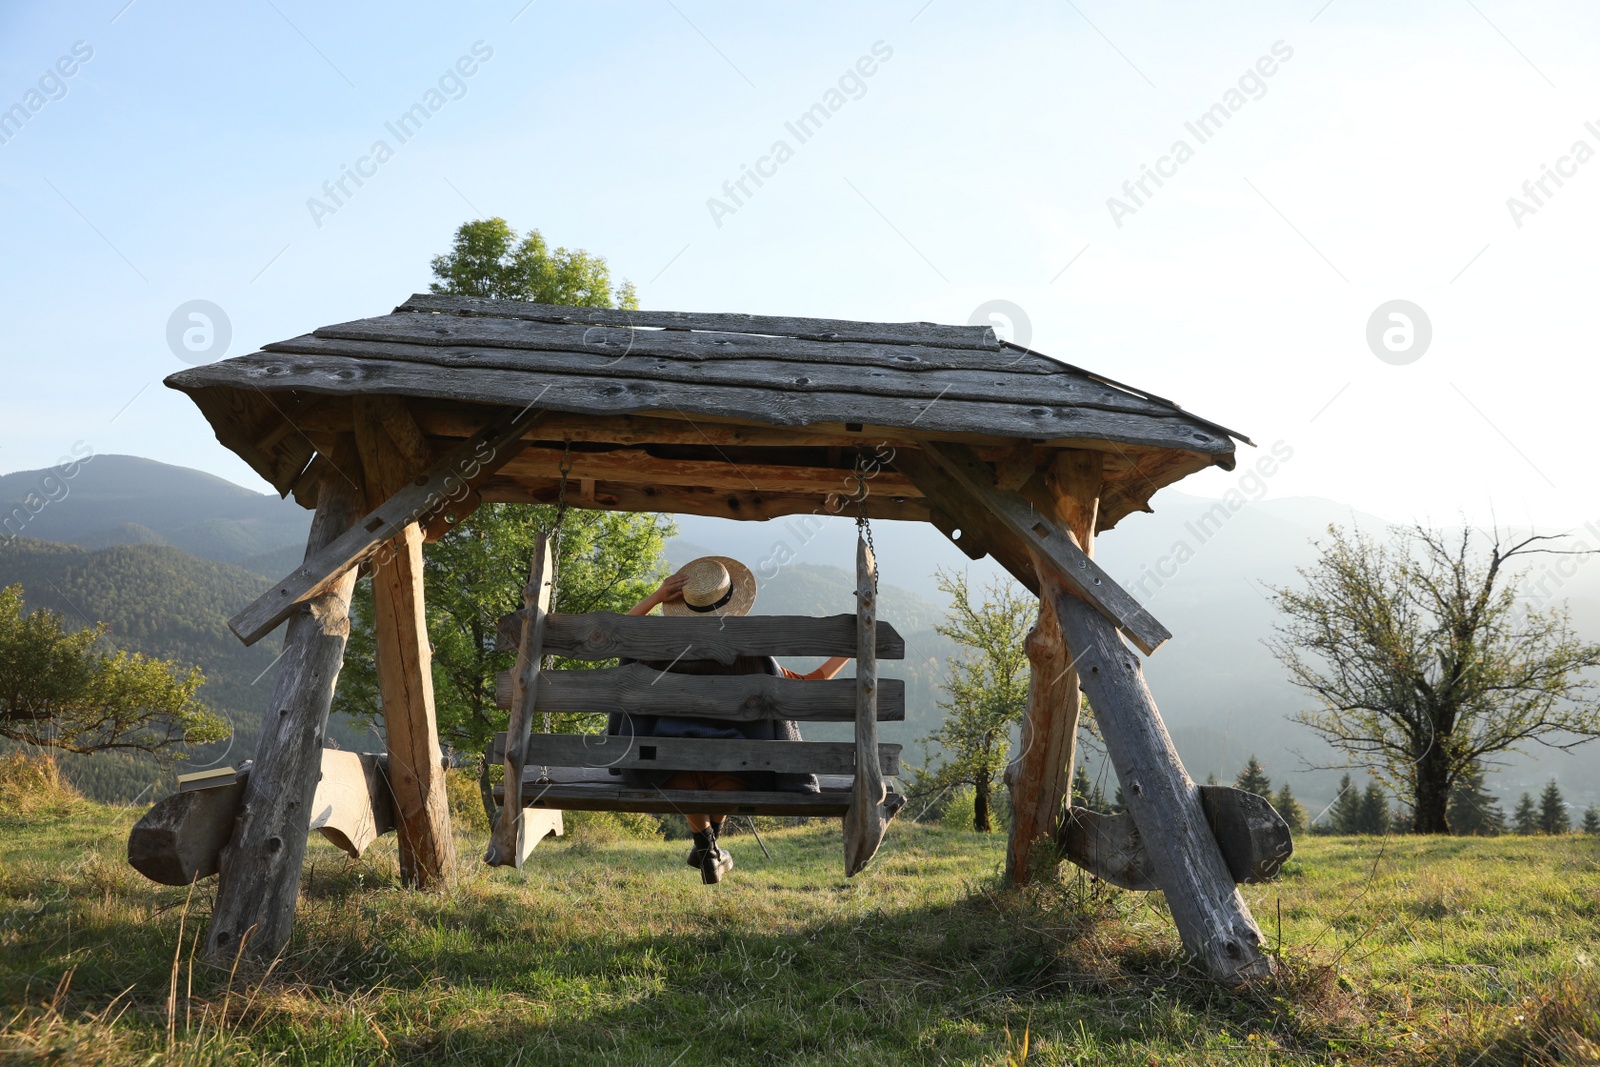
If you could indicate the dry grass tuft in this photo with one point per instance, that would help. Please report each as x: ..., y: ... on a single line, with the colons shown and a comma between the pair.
x: 31, y: 787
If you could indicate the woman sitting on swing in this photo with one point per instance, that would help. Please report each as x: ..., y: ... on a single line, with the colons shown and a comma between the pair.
x: 714, y: 585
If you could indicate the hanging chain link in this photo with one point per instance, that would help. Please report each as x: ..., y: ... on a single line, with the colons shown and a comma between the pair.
x: 863, y: 524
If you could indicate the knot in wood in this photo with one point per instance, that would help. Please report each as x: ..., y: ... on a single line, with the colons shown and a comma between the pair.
x: 274, y: 843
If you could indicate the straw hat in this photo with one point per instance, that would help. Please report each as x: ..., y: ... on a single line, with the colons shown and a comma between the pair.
x: 714, y: 585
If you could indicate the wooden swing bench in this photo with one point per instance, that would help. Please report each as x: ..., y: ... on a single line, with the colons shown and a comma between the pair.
x: 573, y: 772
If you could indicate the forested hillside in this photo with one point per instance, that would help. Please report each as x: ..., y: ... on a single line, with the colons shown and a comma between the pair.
x: 125, y: 500
x: 163, y: 602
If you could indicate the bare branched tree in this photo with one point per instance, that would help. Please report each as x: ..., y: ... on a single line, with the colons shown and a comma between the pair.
x: 1424, y: 662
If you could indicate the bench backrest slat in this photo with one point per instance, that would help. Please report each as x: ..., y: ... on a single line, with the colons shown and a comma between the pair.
x: 601, y: 635
x: 641, y: 690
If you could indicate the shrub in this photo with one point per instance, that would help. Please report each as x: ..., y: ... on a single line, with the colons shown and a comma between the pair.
x: 466, y: 804
x: 31, y: 786
x: 958, y: 810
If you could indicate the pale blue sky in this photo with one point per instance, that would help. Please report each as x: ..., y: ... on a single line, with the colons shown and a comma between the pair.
x: 975, y: 166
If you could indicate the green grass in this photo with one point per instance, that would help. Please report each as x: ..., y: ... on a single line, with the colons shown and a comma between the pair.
x: 1399, y: 950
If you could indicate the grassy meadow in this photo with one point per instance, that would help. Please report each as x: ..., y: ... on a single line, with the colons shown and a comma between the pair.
x: 608, y: 950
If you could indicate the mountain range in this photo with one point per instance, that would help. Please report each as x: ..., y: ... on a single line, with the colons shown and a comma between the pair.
x: 165, y: 554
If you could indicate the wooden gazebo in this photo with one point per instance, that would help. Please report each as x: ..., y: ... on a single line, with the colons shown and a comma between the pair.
x: 395, y: 427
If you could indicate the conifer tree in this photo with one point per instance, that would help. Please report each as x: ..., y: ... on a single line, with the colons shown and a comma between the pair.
x: 1553, y: 817
x: 1087, y: 794
x: 1374, y: 810
x: 1591, y: 821
x: 1525, y: 820
x: 1253, y: 779
x: 1473, y: 809
x: 1345, y: 814
x: 1291, y: 810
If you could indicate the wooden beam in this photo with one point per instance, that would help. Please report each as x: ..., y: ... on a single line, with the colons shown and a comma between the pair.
x: 746, y: 505
x: 1254, y: 839
x: 260, y: 867
x: 1185, y: 861
x: 1043, y: 536
x: 636, y: 466
x: 954, y: 509
x: 640, y: 690
x: 866, y: 821
x: 1040, y: 774
x: 696, y: 754
x: 506, y: 844
x: 448, y: 478
x: 405, y: 662
x: 608, y: 635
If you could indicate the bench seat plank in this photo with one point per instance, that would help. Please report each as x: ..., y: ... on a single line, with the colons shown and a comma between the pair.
x: 697, y: 754
x: 596, y: 796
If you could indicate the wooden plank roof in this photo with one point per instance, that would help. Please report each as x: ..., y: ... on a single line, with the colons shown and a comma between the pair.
x: 636, y: 385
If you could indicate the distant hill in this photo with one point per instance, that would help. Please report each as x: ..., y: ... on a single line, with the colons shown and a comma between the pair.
x: 163, y: 602
x: 125, y: 500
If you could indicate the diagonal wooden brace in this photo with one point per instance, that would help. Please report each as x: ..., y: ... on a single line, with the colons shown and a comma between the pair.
x: 454, y: 474
x: 1047, y: 540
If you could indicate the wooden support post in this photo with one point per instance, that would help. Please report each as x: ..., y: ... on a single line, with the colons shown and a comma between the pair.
x: 260, y: 867
x: 508, y: 845
x: 865, y: 824
x: 1040, y: 775
x: 1183, y: 855
x: 405, y: 664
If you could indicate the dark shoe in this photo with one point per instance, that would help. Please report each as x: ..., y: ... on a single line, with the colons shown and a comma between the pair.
x: 718, y: 862
x: 704, y: 842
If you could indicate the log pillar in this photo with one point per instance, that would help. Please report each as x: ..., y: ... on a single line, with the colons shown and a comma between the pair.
x: 260, y: 867
x: 1040, y: 776
x: 405, y: 661
x: 1183, y: 855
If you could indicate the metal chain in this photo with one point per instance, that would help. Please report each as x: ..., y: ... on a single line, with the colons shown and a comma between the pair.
x: 863, y: 524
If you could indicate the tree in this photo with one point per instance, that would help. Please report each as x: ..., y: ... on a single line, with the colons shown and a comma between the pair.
x: 1345, y: 814
x: 1253, y: 779
x: 1591, y: 821
x: 1374, y: 809
x: 1553, y: 817
x: 606, y: 561
x: 488, y: 259
x: 1525, y: 820
x: 474, y: 574
x: 1290, y: 808
x: 987, y: 688
x: 57, y: 691
x: 1087, y: 794
x: 1473, y: 809
x: 1424, y: 662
